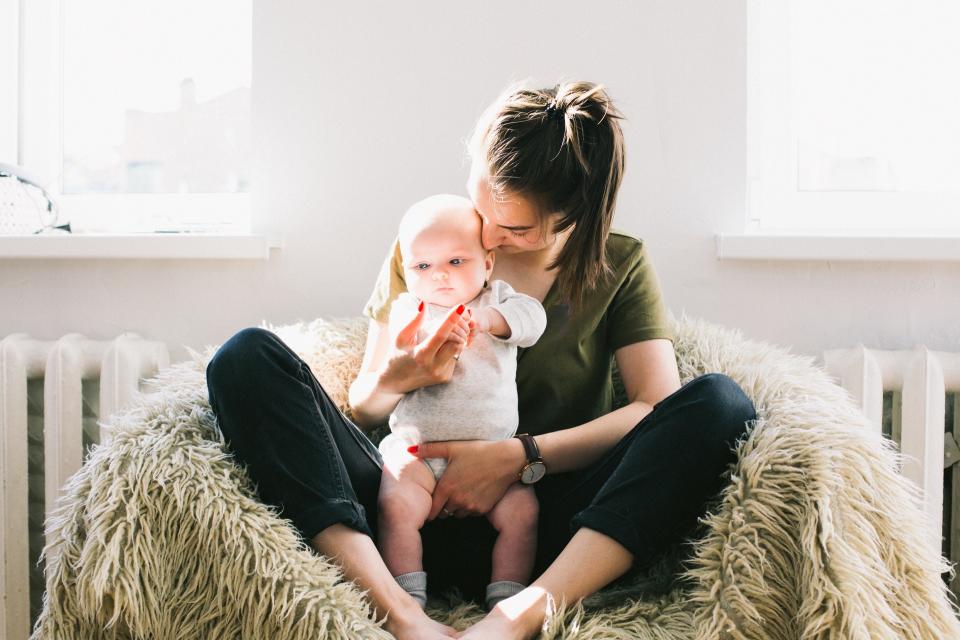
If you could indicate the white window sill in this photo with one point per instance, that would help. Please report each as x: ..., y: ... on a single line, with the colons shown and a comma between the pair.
x: 146, y: 246
x: 864, y: 248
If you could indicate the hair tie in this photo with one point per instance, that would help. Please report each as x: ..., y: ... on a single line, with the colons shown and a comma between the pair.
x: 552, y: 108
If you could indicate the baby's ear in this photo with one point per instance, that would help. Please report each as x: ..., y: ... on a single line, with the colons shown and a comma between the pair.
x: 489, y: 263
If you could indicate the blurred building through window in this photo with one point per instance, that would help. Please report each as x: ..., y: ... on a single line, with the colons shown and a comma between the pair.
x: 156, y: 96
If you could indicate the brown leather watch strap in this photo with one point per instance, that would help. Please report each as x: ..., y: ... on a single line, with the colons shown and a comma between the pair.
x: 530, y: 447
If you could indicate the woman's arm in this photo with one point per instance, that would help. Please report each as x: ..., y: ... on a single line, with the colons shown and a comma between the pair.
x: 649, y: 373
x: 479, y: 472
x: 370, y: 402
x: 392, y: 367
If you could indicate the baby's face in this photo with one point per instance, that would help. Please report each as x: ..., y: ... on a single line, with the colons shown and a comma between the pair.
x: 446, y: 265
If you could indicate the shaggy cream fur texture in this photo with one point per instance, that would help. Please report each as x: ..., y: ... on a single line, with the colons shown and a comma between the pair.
x: 160, y: 534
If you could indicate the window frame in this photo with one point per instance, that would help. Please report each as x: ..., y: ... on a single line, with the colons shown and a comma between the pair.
x: 9, y: 77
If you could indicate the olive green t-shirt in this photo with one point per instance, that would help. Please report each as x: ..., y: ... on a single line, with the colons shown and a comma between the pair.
x: 564, y: 380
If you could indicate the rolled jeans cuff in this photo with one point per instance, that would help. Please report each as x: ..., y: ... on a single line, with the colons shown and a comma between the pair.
x: 312, y: 521
x: 612, y: 524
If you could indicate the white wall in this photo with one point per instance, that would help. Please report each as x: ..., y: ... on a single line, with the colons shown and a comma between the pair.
x: 359, y: 111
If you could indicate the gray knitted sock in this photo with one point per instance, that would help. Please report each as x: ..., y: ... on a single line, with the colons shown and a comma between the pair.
x: 497, y: 591
x: 415, y: 583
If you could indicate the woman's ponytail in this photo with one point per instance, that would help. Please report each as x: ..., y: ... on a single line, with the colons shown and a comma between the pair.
x: 563, y: 149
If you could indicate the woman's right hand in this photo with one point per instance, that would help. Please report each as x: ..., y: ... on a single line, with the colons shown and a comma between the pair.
x: 411, y: 365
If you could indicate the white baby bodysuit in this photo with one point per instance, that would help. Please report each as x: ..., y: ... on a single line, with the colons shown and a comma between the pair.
x: 480, y: 402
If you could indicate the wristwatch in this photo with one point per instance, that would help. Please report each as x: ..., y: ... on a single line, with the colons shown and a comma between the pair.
x: 535, y: 469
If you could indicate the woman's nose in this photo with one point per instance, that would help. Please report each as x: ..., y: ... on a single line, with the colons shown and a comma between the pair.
x: 490, y: 236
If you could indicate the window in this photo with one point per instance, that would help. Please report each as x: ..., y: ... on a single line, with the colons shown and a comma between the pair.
x: 853, y: 116
x: 137, y: 114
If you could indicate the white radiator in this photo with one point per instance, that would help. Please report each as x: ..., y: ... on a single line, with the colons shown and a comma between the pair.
x: 42, y: 439
x: 918, y: 382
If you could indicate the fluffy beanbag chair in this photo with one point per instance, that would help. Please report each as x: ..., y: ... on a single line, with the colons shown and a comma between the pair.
x: 161, y: 535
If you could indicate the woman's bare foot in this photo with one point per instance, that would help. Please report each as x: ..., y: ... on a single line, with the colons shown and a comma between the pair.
x: 413, y: 624
x: 495, y: 626
x: 517, y: 618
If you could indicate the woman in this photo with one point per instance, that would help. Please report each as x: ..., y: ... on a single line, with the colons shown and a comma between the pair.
x: 620, y: 486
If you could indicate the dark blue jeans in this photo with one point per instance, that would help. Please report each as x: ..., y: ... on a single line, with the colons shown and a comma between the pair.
x: 319, y: 469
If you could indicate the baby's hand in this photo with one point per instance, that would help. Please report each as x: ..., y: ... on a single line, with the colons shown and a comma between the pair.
x: 481, y: 321
x: 471, y: 326
x: 489, y: 320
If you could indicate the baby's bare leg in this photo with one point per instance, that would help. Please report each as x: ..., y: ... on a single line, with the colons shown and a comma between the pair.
x: 406, y: 490
x: 515, y: 518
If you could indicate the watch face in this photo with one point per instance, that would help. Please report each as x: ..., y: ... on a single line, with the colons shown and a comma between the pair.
x: 533, y: 472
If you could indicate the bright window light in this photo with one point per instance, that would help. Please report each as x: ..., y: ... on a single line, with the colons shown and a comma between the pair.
x: 852, y: 115
x: 875, y: 110
x: 156, y: 96
x: 136, y: 115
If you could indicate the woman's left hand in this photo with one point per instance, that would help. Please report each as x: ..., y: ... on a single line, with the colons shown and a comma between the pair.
x: 478, y: 474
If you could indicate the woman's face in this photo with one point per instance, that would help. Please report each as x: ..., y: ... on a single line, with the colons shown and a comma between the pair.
x: 511, y: 223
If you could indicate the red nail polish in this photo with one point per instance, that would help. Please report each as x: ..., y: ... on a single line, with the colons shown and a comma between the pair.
x: 420, y: 308
x: 460, y: 309
x: 413, y: 448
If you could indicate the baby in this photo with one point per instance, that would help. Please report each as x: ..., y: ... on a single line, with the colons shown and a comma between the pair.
x: 445, y: 265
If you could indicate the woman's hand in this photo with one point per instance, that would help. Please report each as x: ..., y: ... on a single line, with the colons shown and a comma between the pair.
x: 411, y: 365
x: 478, y: 474
x: 395, y: 364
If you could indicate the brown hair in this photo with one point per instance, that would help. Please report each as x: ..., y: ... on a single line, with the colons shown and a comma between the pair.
x: 563, y: 149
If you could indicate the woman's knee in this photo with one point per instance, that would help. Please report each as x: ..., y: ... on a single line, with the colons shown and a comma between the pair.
x: 724, y: 408
x: 240, y: 356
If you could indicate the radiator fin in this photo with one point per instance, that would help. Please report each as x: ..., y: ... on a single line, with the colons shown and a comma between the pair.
x: 913, y: 397
x: 52, y: 394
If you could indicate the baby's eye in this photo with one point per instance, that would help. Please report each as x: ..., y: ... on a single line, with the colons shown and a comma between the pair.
x: 421, y: 266
x: 457, y: 261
